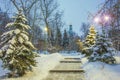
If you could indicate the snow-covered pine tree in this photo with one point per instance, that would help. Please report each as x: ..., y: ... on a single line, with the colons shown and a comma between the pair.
x: 103, y: 50
x: 91, y: 37
x: 17, y: 50
x: 90, y: 41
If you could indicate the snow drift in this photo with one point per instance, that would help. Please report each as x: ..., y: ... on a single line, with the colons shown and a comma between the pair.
x: 101, y: 71
x: 45, y: 63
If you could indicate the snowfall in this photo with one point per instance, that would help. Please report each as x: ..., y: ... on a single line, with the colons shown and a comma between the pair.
x: 93, y: 70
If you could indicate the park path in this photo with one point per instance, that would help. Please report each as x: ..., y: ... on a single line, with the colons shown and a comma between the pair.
x: 68, y: 69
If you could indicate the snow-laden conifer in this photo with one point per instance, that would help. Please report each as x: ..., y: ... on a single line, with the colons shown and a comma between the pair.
x: 17, y: 50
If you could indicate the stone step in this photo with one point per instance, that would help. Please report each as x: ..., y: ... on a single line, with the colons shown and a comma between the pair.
x: 71, y: 58
x: 67, y: 69
x: 68, y: 66
x: 65, y: 76
x: 74, y: 71
x: 70, y: 61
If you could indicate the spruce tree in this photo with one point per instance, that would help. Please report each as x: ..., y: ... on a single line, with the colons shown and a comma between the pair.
x: 65, y: 39
x: 103, y: 50
x: 90, y: 41
x: 17, y: 50
x: 58, y: 37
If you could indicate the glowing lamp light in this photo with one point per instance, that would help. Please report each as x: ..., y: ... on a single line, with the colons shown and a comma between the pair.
x: 106, y: 18
x: 97, y: 19
x: 46, y: 29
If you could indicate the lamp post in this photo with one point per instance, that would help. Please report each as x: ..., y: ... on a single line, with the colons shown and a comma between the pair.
x: 46, y: 30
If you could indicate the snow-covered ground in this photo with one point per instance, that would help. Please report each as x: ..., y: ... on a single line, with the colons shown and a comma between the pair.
x: 72, y: 55
x: 117, y: 57
x: 101, y: 71
x: 45, y: 63
x: 93, y: 70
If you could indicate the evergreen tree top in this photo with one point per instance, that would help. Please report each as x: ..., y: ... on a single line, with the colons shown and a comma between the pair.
x: 65, y: 32
x: 19, y: 22
x: 20, y: 18
x: 92, y: 29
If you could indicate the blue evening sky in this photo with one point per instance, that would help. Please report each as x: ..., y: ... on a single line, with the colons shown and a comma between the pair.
x: 76, y: 11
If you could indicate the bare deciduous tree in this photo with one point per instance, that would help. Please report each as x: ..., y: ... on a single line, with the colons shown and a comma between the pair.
x: 85, y: 29
x: 47, y: 8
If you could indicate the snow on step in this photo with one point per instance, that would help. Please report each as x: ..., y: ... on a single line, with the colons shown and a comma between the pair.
x: 65, y: 76
x: 71, y: 67
x: 68, y: 71
x: 65, y: 66
x: 72, y: 58
x: 70, y: 61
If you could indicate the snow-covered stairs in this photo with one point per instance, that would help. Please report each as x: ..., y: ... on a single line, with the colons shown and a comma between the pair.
x: 70, y: 61
x: 68, y: 69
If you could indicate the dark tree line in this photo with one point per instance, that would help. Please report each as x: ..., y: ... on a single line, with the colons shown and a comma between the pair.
x: 66, y: 40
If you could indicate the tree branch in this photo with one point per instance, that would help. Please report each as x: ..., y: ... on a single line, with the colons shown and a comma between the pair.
x: 14, y: 3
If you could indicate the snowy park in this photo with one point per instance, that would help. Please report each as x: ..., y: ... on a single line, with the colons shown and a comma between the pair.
x: 93, y: 70
x: 59, y: 40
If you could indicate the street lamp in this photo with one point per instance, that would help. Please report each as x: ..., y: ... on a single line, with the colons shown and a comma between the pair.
x: 102, y: 20
x: 46, y: 30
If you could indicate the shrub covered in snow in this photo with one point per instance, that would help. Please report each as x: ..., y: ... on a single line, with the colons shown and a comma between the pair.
x: 17, y: 50
x: 103, y: 50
